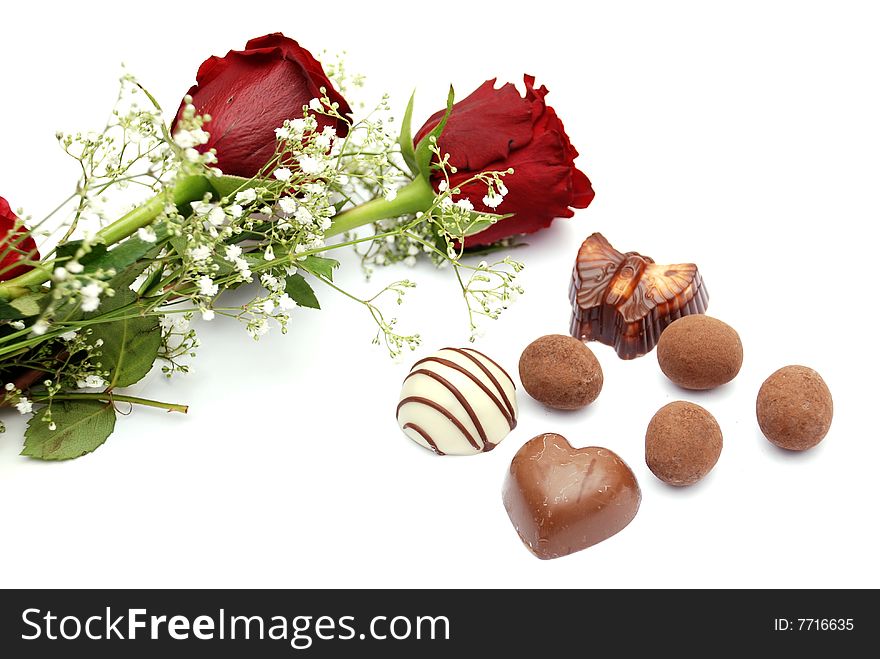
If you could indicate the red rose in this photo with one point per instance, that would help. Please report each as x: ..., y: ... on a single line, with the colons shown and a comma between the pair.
x: 249, y: 93
x: 494, y: 129
x: 15, y: 244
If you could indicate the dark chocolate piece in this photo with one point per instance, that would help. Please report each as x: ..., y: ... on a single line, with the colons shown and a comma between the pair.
x: 627, y: 300
x: 562, y: 499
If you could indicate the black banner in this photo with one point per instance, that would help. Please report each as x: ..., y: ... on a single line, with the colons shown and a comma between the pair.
x: 290, y: 623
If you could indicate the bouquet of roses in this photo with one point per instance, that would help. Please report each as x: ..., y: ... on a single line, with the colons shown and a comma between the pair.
x: 261, y: 174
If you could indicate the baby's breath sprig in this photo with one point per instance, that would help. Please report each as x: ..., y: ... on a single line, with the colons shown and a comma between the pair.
x: 112, y: 298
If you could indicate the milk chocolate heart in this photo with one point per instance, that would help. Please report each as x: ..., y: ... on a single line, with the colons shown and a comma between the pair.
x: 563, y: 499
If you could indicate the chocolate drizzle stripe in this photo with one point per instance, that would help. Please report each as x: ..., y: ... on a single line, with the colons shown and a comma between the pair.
x: 425, y: 436
x: 455, y: 391
x: 430, y: 403
x: 491, y: 376
x: 461, y: 369
x: 491, y: 361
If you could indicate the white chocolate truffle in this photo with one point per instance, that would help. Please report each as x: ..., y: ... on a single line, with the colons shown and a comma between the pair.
x: 457, y: 402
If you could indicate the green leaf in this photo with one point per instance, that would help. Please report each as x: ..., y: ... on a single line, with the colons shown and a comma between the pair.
x: 8, y: 312
x: 301, y: 292
x: 482, y: 225
x: 30, y: 305
x: 129, y: 252
x: 407, y: 150
x: 319, y: 266
x: 82, y: 426
x: 131, y: 345
x: 424, y: 155
x: 23, y: 307
x: 69, y: 250
x: 119, y: 258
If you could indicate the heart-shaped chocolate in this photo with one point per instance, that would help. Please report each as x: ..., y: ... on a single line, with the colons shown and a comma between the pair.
x: 563, y: 499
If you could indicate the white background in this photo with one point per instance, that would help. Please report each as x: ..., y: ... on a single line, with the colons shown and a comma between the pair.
x: 745, y: 139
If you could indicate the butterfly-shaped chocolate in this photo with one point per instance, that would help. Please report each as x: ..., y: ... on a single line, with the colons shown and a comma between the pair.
x: 627, y: 300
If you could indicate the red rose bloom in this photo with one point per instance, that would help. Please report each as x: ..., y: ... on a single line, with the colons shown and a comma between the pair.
x: 494, y: 129
x: 249, y: 93
x: 15, y: 245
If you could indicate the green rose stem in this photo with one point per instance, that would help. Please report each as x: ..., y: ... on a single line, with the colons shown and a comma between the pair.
x: 188, y: 189
x: 414, y: 197
x: 118, y: 398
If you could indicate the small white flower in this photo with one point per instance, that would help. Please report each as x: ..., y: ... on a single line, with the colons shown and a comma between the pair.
x: 286, y: 302
x: 207, y: 287
x: 189, y: 138
x: 492, y: 201
x: 147, y: 234
x: 282, y: 133
x: 315, y: 104
x: 243, y: 268
x: 200, y: 253
x: 502, y: 189
x: 410, y: 261
x: 52, y: 425
x: 258, y: 328
x: 246, y: 197
x: 207, y: 314
x: 184, y: 139
x: 298, y: 127
x: 202, y: 208
x: 446, y: 202
x: 233, y: 252
x: 323, y: 142
x: 91, y: 382
x: 269, y: 254
x: 303, y: 215
x: 192, y: 155
x: 235, y: 211
x: 288, y: 205
x: 24, y: 406
x: 59, y: 274
x: 270, y: 282
x: 99, y: 343
x: 465, y: 204
x: 391, y: 195
x: 217, y: 216
x: 74, y: 267
x: 10, y: 386
x: 329, y: 131
x: 90, y: 296
x: 290, y: 270
x: 17, y: 324
x: 443, y: 186
x: 311, y: 165
x: 68, y: 336
x: 282, y: 174
x: 268, y: 306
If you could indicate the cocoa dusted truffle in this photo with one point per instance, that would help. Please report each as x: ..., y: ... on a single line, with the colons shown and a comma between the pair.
x: 699, y: 352
x: 682, y: 444
x: 795, y: 408
x: 561, y: 372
